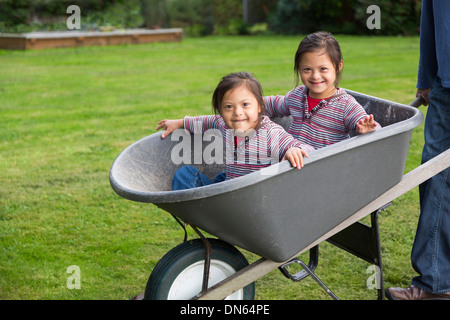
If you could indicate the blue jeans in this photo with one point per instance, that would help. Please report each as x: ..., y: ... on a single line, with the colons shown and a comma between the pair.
x: 188, y: 177
x: 430, y: 255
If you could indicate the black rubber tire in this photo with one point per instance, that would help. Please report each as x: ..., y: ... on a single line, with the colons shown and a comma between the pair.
x: 187, y: 254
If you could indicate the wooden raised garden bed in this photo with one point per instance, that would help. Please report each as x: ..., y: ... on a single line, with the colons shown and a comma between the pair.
x: 64, y: 39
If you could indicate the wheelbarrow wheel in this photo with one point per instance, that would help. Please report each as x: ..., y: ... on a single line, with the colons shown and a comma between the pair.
x: 179, y: 274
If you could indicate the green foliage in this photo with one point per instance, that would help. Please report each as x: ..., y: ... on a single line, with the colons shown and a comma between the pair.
x: 346, y: 16
x: 294, y: 17
x: 197, y: 17
x: 397, y: 17
x: 194, y: 16
x: 205, y: 17
x: 27, y: 15
x: 120, y: 14
x: 154, y: 13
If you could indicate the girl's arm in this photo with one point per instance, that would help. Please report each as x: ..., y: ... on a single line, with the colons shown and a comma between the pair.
x: 276, y: 106
x: 192, y: 124
x: 202, y: 123
x: 356, y: 118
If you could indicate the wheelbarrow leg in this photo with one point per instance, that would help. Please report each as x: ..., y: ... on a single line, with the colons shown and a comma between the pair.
x: 306, y: 271
x: 317, y: 279
x: 363, y: 241
x: 312, y: 265
x: 377, y: 253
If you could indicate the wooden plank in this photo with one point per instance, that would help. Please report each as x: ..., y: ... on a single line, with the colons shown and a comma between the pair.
x: 262, y: 267
x: 63, y: 39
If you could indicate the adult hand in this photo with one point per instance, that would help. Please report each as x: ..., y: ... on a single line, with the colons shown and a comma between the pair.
x: 424, y: 93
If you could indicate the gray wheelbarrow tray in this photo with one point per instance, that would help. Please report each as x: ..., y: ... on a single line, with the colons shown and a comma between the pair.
x: 277, y: 211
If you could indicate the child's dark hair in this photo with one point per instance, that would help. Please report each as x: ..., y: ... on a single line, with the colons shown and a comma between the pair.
x: 315, y: 42
x: 233, y: 81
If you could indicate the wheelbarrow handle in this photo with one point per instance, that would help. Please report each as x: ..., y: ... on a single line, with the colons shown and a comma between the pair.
x: 418, y: 102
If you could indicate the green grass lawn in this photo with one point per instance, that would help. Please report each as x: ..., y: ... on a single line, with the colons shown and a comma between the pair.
x: 65, y: 114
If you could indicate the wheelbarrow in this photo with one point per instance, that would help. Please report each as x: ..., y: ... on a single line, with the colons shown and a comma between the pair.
x: 277, y: 213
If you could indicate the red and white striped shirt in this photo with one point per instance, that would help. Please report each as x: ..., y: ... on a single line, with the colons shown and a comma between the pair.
x: 260, y: 149
x: 328, y: 122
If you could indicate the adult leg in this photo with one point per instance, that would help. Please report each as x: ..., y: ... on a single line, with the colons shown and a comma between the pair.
x: 430, y: 255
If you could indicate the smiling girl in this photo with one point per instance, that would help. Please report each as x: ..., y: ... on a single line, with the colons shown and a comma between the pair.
x: 256, y: 141
x: 322, y: 112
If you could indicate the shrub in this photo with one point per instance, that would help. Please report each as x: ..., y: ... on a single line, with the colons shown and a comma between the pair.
x: 401, y: 17
x: 205, y: 17
x: 295, y: 17
x: 346, y: 16
x: 26, y: 15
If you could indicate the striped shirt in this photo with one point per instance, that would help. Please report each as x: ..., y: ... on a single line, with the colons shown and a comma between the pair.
x: 260, y: 149
x: 329, y: 122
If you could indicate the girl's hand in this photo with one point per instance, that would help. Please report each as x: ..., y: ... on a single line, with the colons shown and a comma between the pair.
x: 366, y: 125
x: 170, y: 126
x: 295, y: 156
